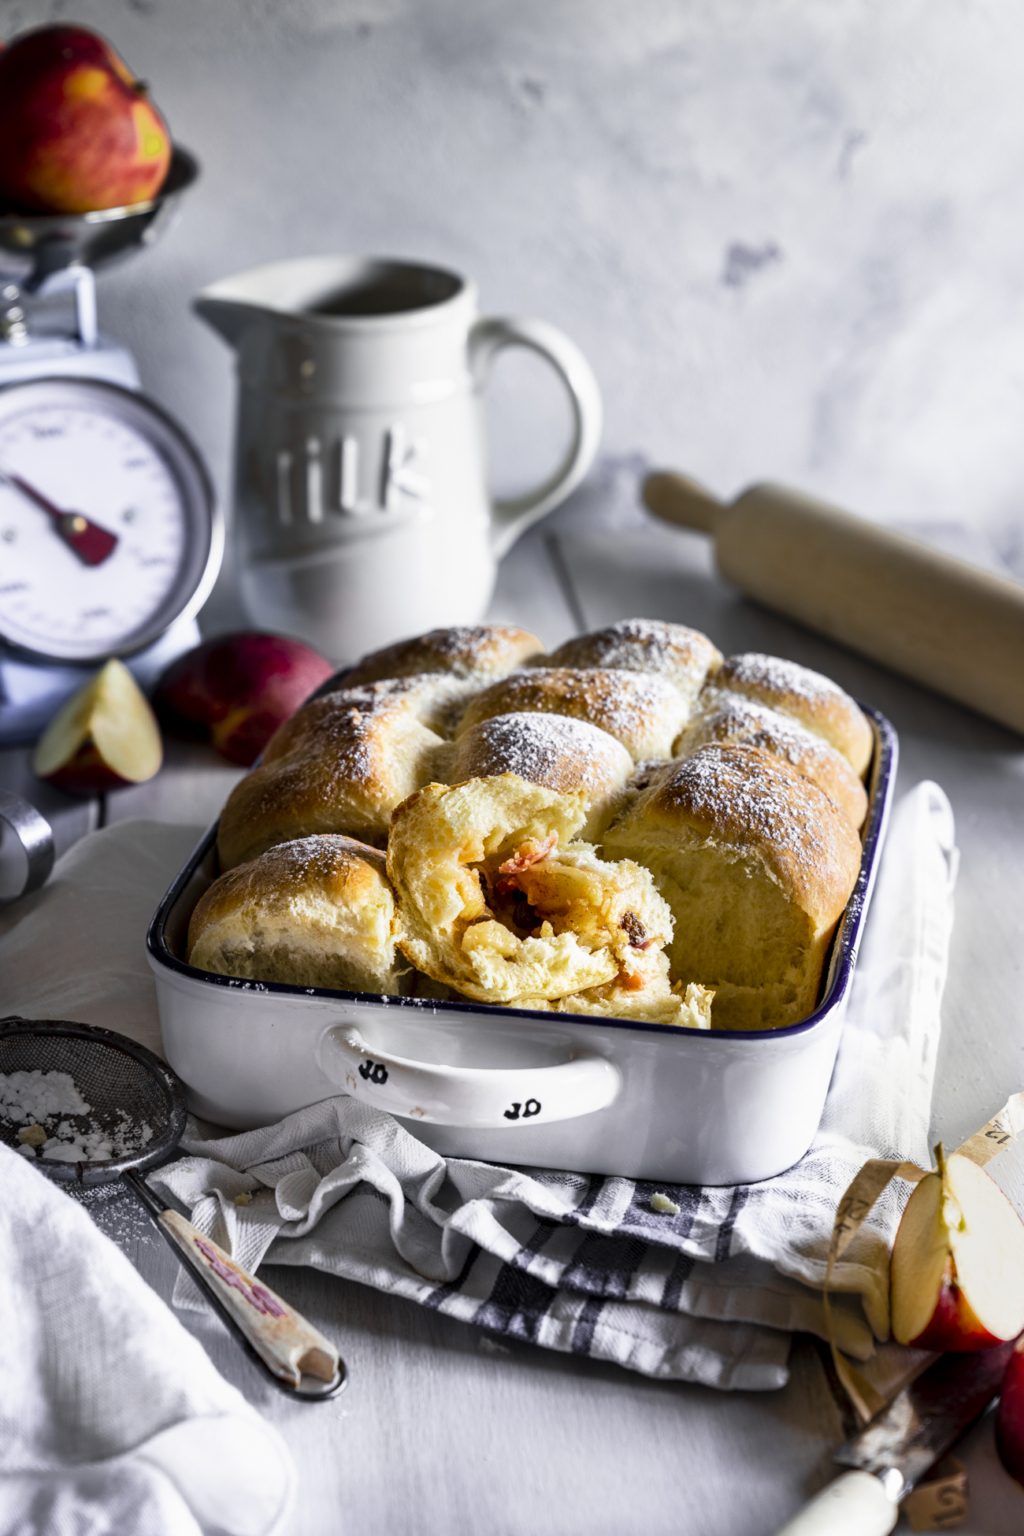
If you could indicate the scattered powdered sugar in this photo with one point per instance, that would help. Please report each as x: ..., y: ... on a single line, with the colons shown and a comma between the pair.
x: 32, y: 1097
x: 70, y: 1145
x: 116, y: 1211
x: 33, y: 1100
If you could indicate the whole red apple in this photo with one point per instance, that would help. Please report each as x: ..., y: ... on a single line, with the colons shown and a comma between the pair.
x: 78, y: 132
x: 237, y: 689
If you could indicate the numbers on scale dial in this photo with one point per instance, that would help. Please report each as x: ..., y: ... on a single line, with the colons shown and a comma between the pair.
x: 84, y: 461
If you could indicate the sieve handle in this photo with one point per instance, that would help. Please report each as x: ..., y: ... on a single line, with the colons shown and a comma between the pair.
x: 289, y: 1348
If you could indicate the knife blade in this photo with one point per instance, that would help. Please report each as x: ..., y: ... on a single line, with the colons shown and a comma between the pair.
x: 891, y: 1455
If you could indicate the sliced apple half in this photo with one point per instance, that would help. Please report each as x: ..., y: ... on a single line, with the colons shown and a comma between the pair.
x: 105, y: 735
x: 957, y: 1274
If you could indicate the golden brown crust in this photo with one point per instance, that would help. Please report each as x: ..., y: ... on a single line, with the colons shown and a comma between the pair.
x: 553, y: 750
x: 644, y: 713
x: 685, y: 656
x: 481, y: 651
x: 732, y: 719
x: 340, y: 764
x: 807, y: 696
x: 743, y: 796
x: 316, y: 911
x: 757, y: 864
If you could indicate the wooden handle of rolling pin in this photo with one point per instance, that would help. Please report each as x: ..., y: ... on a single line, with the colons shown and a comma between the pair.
x: 940, y: 621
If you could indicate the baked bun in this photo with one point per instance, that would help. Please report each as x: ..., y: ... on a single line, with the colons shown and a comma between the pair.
x: 554, y: 750
x: 729, y: 718
x: 809, y: 697
x: 644, y: 713
x: 340, y: 764
x: 316, y: 912
x: 499, y: 903
x: 684, y: 656
x: 757, y: 865
x: 658, y: 1002
x: 479, y: 651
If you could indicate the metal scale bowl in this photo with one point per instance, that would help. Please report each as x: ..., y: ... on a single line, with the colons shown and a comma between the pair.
x: 89, y: 463
x: 43, y: 255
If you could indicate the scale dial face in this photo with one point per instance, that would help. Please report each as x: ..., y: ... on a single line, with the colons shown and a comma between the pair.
x: 108, y: 531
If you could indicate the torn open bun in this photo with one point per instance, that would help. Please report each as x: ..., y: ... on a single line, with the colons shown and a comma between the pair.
x: 498, y: 902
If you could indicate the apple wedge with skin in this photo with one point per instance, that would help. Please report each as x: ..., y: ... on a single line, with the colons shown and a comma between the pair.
x: 105, y: 735
x: 957, y: 1270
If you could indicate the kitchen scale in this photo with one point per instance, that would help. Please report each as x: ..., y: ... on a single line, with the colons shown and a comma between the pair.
x: 110, y: 539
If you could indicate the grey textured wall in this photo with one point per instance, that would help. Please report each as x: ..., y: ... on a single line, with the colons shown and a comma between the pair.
x: 789, y: 235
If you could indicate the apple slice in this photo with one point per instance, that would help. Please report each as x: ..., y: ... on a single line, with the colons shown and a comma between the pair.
x: 957, y: 1273
x: 104, y: 736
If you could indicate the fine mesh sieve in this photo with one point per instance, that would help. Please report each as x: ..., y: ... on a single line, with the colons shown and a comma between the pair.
x: 137, y: 1113
x: 135, y: 1099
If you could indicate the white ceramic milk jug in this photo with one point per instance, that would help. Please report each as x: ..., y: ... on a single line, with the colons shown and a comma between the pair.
x: 362, y: 510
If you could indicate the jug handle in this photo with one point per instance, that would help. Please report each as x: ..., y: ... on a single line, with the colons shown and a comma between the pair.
x: 512, y: 515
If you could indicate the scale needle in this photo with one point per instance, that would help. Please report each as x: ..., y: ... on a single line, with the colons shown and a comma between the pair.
x: 91, y: 543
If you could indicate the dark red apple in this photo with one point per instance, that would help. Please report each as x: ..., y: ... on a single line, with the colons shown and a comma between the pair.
x: 78, y: 132
x: 234, y: 691
x: 1010, y: 1416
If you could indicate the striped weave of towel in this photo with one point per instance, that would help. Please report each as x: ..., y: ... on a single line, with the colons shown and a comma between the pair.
x: 702, y: 1284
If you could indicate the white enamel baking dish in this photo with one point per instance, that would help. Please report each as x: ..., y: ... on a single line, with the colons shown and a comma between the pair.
x: 508, y: 1085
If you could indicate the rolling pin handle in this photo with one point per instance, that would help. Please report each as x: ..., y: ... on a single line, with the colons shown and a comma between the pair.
x: 677, y: 499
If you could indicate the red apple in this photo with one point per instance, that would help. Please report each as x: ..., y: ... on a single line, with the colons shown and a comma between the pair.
x: 957, y: 1274
x: 106, y: 735
x: 77, y: 130
x: 1010, y: 1416
x: 237, y: 689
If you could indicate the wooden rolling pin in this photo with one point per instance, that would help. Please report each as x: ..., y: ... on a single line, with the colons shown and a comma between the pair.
x: 936, y: 619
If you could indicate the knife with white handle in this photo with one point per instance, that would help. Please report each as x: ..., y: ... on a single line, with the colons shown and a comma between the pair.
x: 892, y: 1454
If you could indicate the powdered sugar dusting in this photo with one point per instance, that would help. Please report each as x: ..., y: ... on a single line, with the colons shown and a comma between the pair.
x: 465, y: 650
x: 735, y: 717
x: 642, y: 711
x: 645, y: 645
x: 38, y: 1102
x: 744, y: 791
x: 554, y: 750
x: 776, y: 675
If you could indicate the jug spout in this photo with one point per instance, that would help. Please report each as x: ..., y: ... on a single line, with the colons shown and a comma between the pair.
x: 228, y: 316
x: 263, y: 296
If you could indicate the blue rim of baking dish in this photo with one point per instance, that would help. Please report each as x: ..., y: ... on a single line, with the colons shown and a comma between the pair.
x: 839, y: 972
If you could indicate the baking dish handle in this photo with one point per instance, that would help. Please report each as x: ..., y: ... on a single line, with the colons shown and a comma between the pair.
x: 481, y: 1097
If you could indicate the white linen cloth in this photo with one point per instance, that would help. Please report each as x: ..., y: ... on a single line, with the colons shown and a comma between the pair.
x: 113, y: 1421
x: 579, y: 1263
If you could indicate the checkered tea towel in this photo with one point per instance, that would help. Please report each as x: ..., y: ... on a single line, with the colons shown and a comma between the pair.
x: 687, y: 1283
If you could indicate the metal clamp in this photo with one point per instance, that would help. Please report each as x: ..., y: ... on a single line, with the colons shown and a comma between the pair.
x: 35, y: 837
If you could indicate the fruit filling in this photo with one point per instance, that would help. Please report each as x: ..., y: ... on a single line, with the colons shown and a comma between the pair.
x: 514, y: 907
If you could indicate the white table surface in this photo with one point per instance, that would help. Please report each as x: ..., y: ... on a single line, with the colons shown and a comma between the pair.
x: 440, y: 1430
